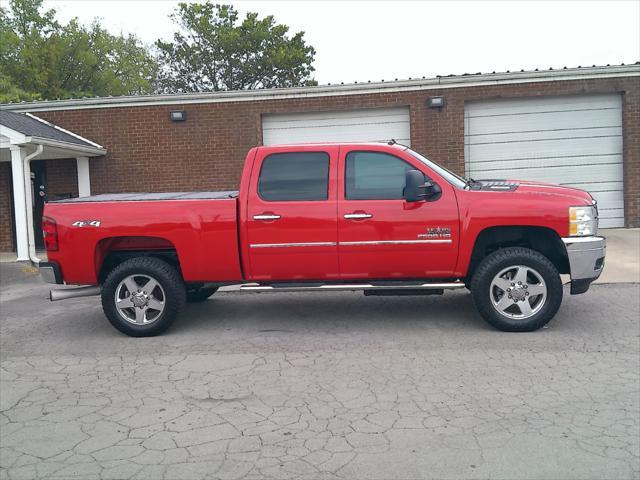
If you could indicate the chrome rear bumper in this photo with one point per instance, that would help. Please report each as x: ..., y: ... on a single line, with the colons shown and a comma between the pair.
x: 586, y: 260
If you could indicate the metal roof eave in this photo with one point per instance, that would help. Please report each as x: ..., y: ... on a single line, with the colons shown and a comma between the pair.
x: 453, y: 81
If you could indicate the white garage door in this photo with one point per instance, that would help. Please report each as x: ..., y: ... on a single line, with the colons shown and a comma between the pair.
x: 365, y: 125
x: 573, y: 140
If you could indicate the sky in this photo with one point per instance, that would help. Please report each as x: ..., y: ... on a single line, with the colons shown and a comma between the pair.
x: 375, y: 40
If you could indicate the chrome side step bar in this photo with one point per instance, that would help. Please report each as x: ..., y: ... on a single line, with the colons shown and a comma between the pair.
x: 256, y: 287
x: 88, y: 291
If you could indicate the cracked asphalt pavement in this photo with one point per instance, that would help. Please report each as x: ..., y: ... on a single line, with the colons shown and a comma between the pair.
x: 318, y: 386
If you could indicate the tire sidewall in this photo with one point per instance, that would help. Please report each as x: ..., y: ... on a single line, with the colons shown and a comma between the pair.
x: 498, y: 261
x: 164, y: 274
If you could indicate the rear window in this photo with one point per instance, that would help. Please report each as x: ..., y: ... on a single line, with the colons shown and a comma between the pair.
x: 295, y: 176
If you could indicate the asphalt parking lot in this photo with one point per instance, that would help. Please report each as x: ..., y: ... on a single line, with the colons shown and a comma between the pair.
x: 318, y: 386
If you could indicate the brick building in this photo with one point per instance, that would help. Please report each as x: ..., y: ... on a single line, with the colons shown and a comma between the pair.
x: 578, y: 126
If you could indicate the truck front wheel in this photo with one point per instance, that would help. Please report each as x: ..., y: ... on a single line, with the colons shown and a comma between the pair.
x: 142, y: 296
x: 517, y: 289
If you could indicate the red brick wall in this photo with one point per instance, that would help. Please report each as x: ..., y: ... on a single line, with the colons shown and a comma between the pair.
x: 631, y: 154
x: 6, y: 219
x: 148, y: 152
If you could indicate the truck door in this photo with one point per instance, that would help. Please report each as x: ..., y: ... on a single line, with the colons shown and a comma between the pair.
x: 380, y: 235
x: 291, y: 214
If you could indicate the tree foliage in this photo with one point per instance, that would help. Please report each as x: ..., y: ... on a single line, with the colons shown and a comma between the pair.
x: 42, y: 59
x: 216, y: 51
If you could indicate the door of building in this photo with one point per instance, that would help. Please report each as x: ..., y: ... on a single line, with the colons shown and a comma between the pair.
x: 38, y: 188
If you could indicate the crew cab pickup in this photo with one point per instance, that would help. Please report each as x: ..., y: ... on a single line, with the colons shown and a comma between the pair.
x: 376, y: 217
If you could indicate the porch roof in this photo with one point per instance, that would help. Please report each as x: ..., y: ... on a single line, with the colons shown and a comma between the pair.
x: 18, y: 129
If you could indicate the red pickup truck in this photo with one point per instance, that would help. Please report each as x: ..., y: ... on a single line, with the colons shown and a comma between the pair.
x: 376, y: 217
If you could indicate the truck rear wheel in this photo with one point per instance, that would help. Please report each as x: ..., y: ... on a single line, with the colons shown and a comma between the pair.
x: 517, y: 289
x: 142, y: 296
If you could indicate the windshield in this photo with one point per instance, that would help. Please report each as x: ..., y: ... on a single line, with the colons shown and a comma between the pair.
x: 449, y: 176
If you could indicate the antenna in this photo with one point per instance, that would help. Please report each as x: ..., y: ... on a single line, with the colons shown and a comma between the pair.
x: 392, y: 142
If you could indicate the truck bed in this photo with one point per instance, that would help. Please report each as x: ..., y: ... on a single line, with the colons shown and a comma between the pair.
x: 200, y: 226
x: 151, y: 197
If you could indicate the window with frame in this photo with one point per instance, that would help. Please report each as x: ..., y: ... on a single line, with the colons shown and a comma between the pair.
x: 294, y: 176
x: 375, y: 176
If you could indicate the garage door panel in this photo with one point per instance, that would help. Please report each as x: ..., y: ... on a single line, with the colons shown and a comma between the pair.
x: 544, y: 104
x: 544, y: 162
x: 610, y: 217
x: 342, y: 122
x: 337, y: 115
x: 335, y: 120
x: 611, y: 199
x: 561, y: 175
x: 612, y: 211
x: 558, y: 134
x: 363, y: 125
x: 354, y: 134
x: 382, y: 126
x: 594, y: 187
x: 614, y: 219
x: 545, y: 121
x: 546, y: 148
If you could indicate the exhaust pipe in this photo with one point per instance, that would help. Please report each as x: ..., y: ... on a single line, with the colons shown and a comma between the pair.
x: 63, y: 294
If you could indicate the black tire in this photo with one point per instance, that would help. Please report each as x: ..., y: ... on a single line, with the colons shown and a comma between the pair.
x: 172, y: 289
x: 500, y: 260
x: 198, y: 295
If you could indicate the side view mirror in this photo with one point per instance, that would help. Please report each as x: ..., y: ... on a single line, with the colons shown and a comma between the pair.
x: 417, y: 188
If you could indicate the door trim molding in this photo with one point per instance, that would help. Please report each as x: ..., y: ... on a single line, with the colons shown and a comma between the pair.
x: 347, y: 244
x: 393, y: 242
x: 307, y: 244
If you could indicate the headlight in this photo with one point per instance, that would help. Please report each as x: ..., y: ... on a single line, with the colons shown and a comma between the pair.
x: 583, y: 221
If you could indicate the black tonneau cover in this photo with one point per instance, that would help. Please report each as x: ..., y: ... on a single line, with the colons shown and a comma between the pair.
x: 146, y: 197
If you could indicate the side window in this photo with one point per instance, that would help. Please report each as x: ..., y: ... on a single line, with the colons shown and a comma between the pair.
x: 294, y: 176
x: 375, y: 176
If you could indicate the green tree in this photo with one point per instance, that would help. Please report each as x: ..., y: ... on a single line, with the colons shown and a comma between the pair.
x: 215, y: 51
x: 42, y: 59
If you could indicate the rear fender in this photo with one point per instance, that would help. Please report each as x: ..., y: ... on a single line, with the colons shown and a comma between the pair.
x: 113, y: 250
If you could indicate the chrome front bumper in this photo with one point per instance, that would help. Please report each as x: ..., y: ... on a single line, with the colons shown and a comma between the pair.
x: 586, y: 260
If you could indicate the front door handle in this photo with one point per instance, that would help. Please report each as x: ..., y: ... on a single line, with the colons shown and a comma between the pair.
x: 357, y: 216
x: 266, y: 217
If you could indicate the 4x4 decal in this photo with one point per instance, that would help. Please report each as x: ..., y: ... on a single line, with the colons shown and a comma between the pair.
x: 86, y: 223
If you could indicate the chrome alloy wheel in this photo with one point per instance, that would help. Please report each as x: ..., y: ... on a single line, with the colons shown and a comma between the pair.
x: 140, y: 299
x: 518, y: 292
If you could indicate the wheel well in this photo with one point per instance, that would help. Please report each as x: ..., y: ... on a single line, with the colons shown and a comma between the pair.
x: 111, y: 252
x: 541, y: 239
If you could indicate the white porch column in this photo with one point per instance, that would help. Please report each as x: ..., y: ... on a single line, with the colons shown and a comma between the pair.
x: 84, y: 179
x: 19, y: 201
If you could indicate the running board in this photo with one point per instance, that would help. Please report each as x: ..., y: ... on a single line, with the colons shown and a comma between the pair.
x: 256, y: 287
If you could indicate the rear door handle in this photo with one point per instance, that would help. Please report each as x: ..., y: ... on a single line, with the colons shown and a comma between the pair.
x: 266, y: 217
x: 357, y: 216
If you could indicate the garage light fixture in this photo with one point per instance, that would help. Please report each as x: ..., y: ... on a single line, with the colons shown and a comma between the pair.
x: 435, y: 102
x: 178, y: 115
